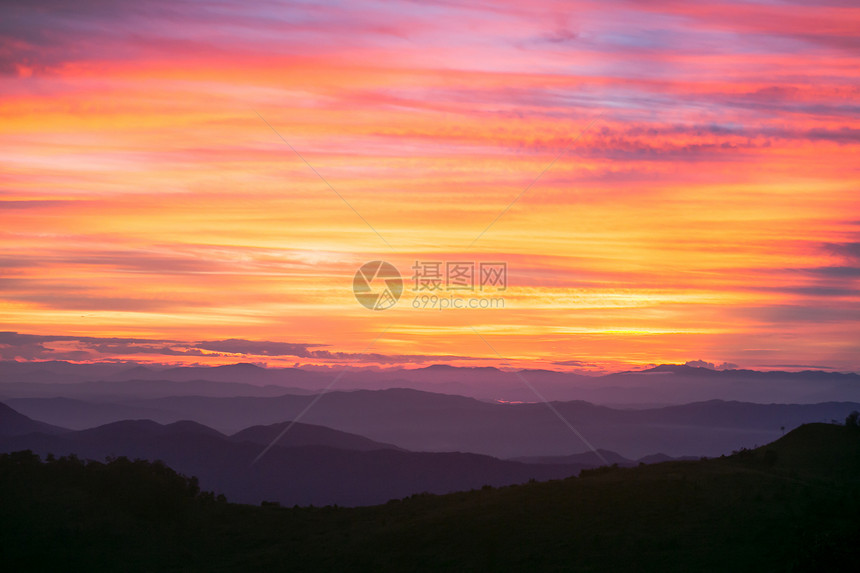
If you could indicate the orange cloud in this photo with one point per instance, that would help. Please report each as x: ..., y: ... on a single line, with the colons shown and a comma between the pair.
x: 709, y: 211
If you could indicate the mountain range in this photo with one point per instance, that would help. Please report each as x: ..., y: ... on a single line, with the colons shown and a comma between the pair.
x: 422, y: 421
x: 661, y: 385
x: 308, y: 465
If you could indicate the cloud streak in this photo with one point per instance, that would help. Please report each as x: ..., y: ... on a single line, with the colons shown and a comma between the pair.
x: 16, y: 346
x: 711, y: 210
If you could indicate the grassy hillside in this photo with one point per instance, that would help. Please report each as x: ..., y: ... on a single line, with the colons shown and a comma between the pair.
x: 790, y: 506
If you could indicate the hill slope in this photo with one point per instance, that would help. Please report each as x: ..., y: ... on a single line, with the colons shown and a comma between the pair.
x: 789, y: 506
x: 307, y: 435
x: 13, y: 423
x: 309, y: 465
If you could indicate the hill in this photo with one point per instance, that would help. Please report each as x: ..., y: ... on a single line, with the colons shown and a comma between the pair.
x: 788, y: 506
x: 307, y: 435
x: 13, y: 423
x: 308, y: 465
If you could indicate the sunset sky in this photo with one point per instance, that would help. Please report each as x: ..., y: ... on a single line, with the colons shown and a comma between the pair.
x: 666, y: 181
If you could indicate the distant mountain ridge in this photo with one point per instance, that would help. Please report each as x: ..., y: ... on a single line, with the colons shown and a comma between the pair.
x: 661, y: 385
x: 422, y: 421
x: 142, y: 388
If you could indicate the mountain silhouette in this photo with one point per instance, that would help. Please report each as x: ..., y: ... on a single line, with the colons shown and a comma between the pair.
x: 662, y: 385
x: 315, y: 466
x: 13, y: 423
x: 307, y: 435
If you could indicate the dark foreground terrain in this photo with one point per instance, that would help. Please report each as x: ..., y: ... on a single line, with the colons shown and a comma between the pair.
x: 793, y: 505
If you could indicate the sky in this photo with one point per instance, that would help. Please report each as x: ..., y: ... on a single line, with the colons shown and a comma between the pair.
x: 198, y: 183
